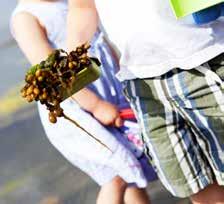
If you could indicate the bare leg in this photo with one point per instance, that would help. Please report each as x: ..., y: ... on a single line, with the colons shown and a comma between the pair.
x: 213, y: 194
x: 113, y: 192
x: 134, y: 195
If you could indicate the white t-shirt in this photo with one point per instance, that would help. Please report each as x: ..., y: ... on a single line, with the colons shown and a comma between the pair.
x: 151, y: 41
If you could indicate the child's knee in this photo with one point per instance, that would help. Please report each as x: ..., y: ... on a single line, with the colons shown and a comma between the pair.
x: 213, y: 194
x: 217, y: 194
x: 118, y: 182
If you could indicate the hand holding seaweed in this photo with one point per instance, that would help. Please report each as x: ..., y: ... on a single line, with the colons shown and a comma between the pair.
x: 58, y: 77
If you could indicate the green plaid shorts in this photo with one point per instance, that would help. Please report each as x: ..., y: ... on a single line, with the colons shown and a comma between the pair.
x: 181, y: 114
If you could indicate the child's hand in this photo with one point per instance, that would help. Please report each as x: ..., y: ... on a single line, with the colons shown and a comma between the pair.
x: 107, y: 114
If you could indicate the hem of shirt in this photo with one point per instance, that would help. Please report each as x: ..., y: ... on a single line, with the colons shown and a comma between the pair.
x: 129, y: 72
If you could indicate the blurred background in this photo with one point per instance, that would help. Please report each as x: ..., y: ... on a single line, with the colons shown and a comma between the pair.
x: 31, y: 170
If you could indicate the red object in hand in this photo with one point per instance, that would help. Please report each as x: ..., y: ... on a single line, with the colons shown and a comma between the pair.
x: 127, y: 114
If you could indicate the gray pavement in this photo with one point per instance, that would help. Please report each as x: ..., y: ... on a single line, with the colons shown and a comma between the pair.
x: 13, y: 63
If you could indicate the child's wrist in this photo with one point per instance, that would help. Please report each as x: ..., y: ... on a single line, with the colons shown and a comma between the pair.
x: 96, y: 105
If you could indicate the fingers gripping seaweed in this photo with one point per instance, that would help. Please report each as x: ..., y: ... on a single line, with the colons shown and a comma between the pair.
x: 58, y: 77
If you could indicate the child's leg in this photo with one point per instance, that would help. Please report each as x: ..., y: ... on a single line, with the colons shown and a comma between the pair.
x: 134, y: 195
x: 112, y: 192
x: 213, y: 194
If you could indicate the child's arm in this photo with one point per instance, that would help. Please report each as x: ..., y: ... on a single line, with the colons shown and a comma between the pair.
x: 105, y: 112
x: 82, y: 22
x: 32, y: 39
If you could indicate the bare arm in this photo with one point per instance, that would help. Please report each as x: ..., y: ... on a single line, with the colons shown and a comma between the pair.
x: 82, y: 22
x: 31, y: 37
